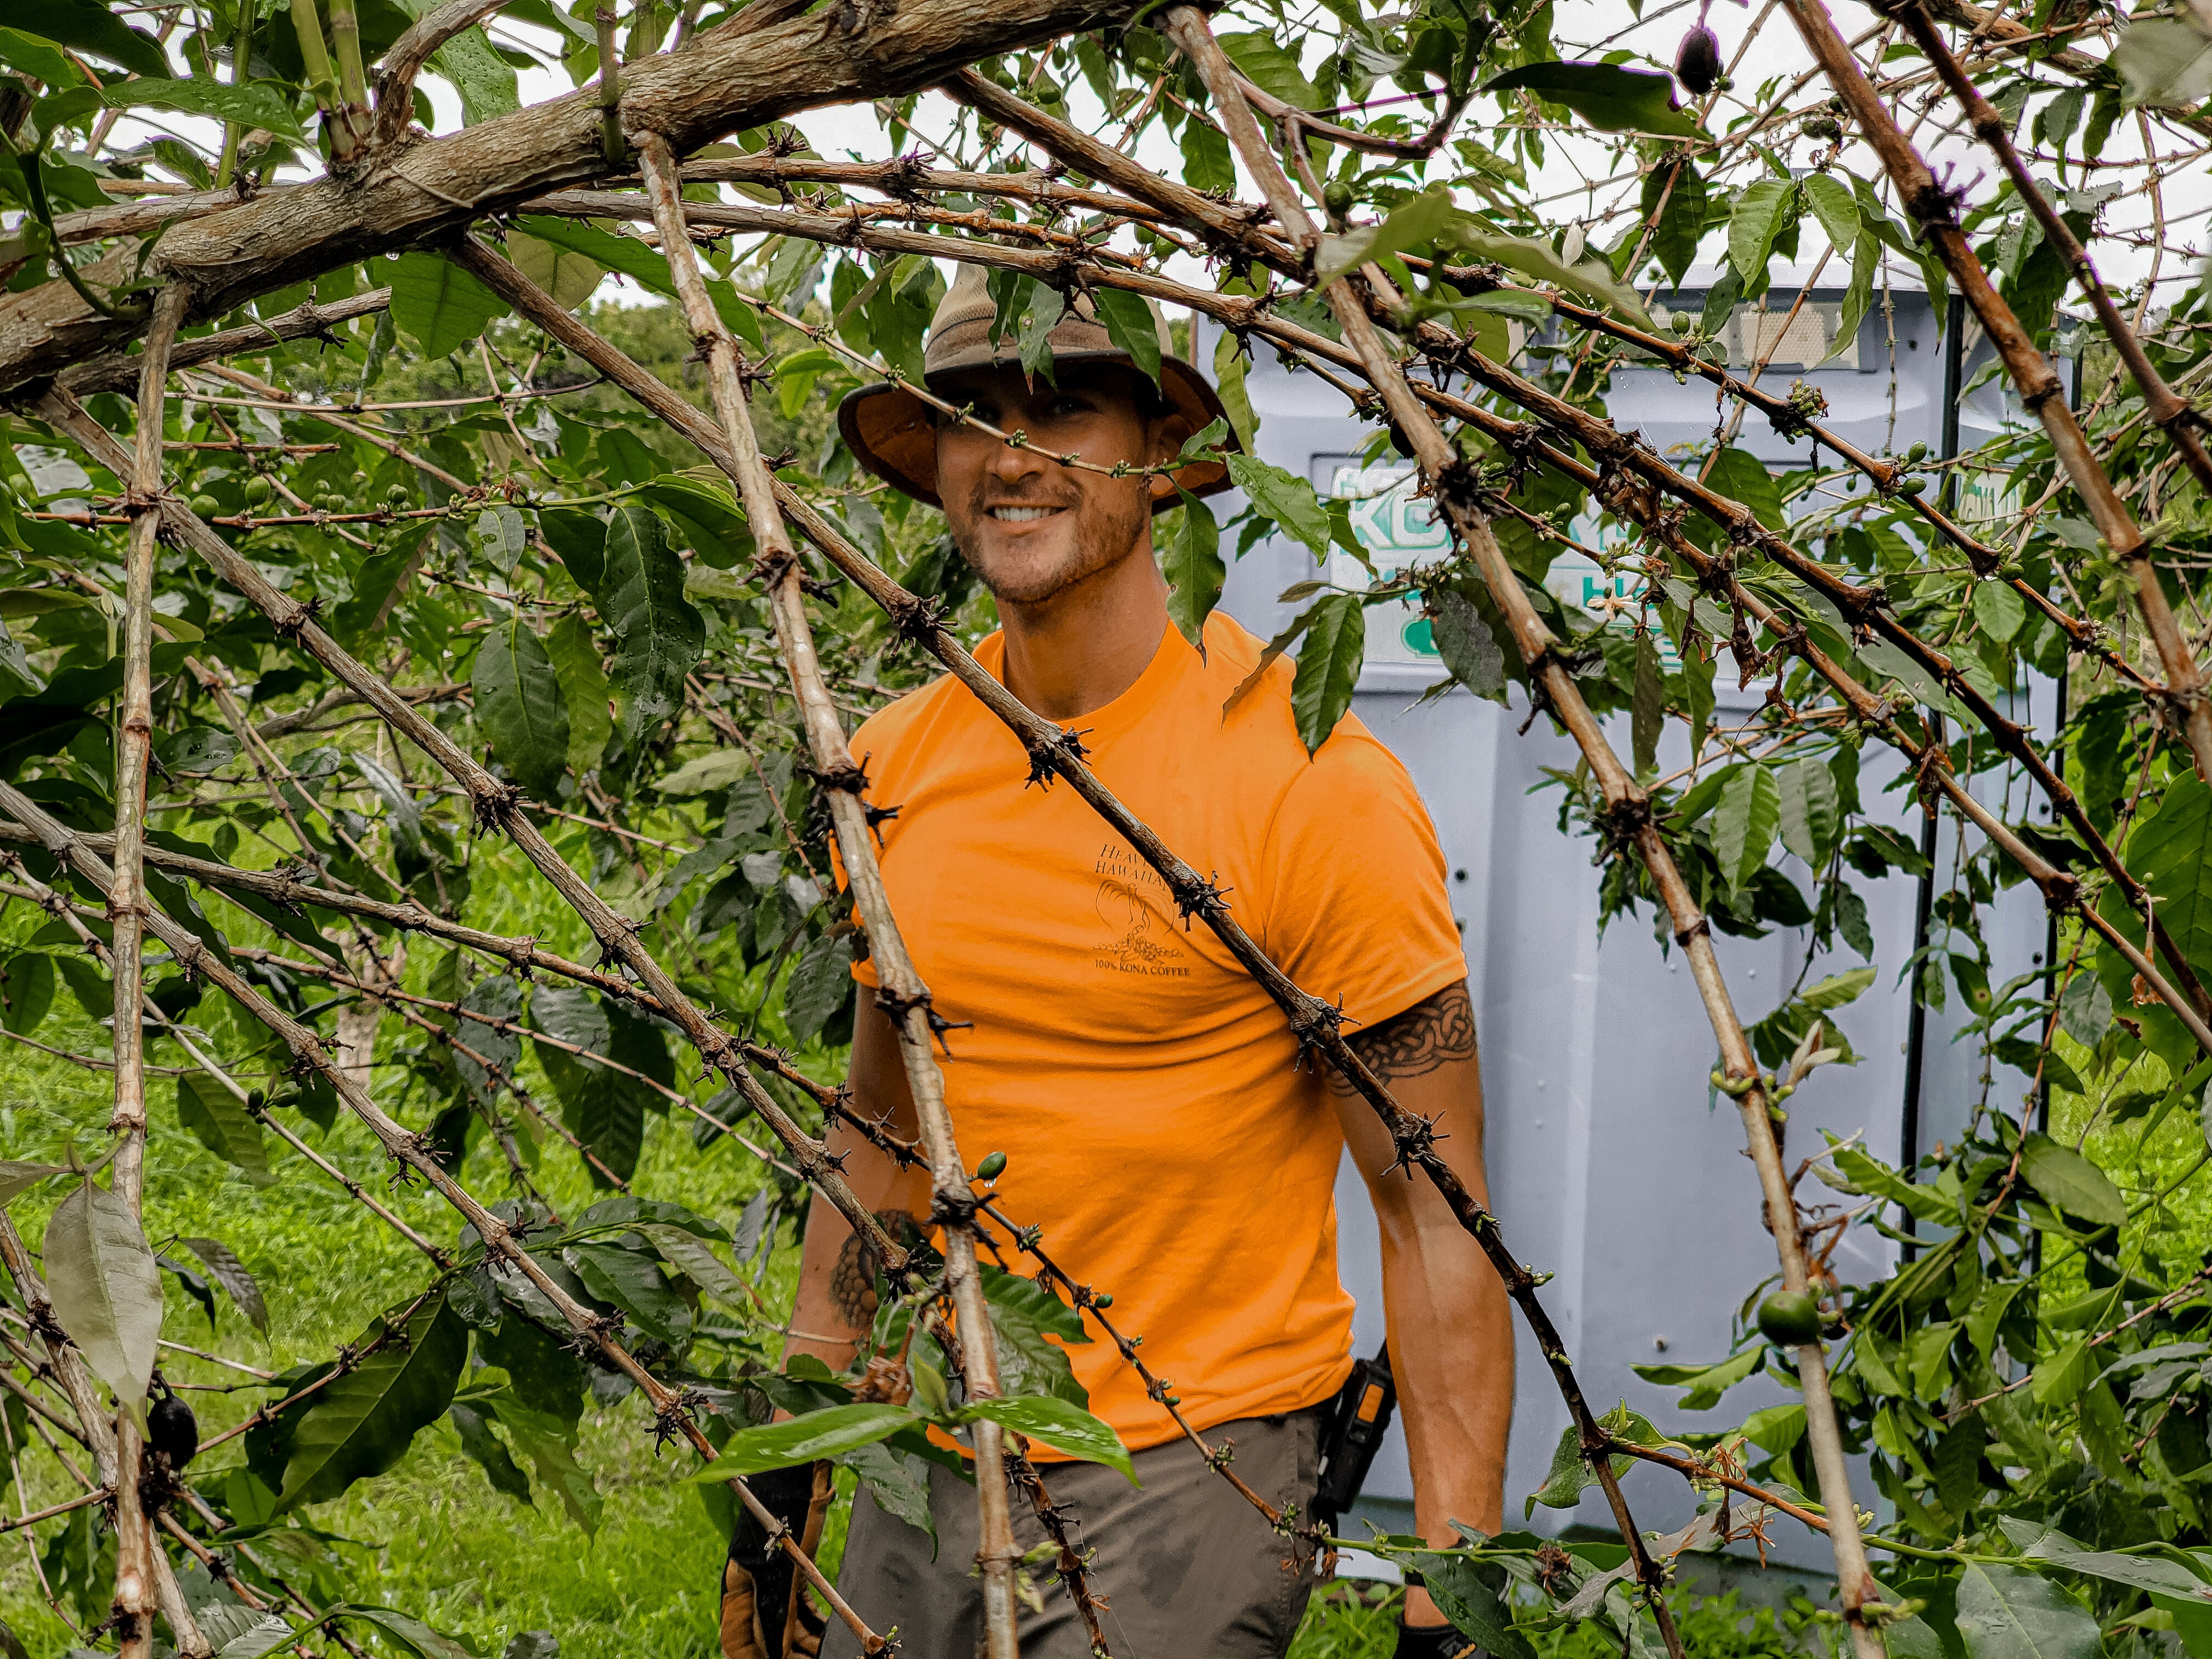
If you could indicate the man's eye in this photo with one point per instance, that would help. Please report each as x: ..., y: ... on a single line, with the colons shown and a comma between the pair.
x: 1062, y: 409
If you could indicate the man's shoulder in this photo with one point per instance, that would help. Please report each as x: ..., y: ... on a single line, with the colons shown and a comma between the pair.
x: 916, y: 713
x: 1266, y: 715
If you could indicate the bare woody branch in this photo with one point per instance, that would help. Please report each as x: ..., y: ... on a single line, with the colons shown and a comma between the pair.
x: 901, y: 994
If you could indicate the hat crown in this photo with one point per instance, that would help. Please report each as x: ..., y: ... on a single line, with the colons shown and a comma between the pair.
x: 960, y: 332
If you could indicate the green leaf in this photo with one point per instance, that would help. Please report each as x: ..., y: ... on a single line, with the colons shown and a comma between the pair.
x: 19, y: 678
x: 2165, y: 61
x: 1329, y: 666
x: 1268, y: 63
x: 2061, y: 1377
x: 694, y: 1258
x: 256, y: 104
x: 219, y: 1120
x: 549, y: 1444
x: 42, y: 60
x: 1416, y: 220
x: 574, y: 655
x: 1469, y: 1594
x: 484, y: 80
x: 2170, y: 853
x: 1193, y: 566
x: 634, y: 1283
x: 2142, y: 1572
x: 438, y: 305
x: 2084, y: 1010
x: 1539, y: 260
x: 1285, y: 497
x: 1810, y: 814
x: 1866, y: 259
x: 360, y: 1423
x: 104, y: 1287
x: 1745, y: 822
x: 2071, y: 1182
x: 2008, y: 1614
x: 1648, y: 707
x: 1024, y: 1314
x: 706, y: 516
x: 898, y: 1481
x: 1681, y: 219
x: 29, y: 989
x: 1835, y: 207
x: 1866, y: 1174
x: 1206, y: 161
x: 17, y: 1177
x: 196, y: 750
x: 89, y: 27
x: 409, y: 1632
x: 1706, y: 1383
x: 1131, y: 325
x: 803, y: 1439
x: 519, y: 705
x: 1742, y: 477
x: 1229, y: 364
x: 1998, y: 609
x: 226, y: 1270
x: 1061, y: 1424
x: 1465, y: 642
x: 566, y: 275
x: 708, y: 774
x: 1763, y: 211
x: 489, y: 1450
x: 818, y: 987
x: 1608, y: 97
x: 658, y: 634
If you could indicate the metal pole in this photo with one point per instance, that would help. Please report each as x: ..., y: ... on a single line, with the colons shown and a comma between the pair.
x: 1915, y: 1031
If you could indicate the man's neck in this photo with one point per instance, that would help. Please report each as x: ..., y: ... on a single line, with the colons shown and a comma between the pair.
x: 1084, y: 647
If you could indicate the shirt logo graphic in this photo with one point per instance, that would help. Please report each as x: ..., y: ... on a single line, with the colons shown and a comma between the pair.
x: 1136, y: 940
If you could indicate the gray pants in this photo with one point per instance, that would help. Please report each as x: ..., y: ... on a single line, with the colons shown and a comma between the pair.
x: 1186, y: 1567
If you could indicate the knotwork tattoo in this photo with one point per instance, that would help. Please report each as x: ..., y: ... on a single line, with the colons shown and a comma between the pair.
x: 853, y: 1281
x: 1435, y: 1030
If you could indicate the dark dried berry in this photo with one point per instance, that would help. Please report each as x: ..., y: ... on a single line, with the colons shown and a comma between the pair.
x: 1698, y: 64
x: 172, y: 1430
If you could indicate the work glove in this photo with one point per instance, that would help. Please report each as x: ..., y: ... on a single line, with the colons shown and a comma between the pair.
x: 766, y: 1613
x: 1435, y: 1642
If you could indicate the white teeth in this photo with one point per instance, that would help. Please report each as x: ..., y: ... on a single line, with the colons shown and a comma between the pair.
x: 1022, y: 514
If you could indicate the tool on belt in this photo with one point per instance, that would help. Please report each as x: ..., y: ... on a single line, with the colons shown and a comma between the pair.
x: 766, y: 1613
x: 1357, y: 1423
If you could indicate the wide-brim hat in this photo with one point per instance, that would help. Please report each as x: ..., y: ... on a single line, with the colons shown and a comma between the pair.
x: 893, y: 432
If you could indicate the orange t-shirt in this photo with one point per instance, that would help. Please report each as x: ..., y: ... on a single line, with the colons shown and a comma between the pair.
x: 1143, y: 1087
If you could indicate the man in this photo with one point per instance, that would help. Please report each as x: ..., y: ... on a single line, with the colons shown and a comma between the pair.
x: 1158, y: 1127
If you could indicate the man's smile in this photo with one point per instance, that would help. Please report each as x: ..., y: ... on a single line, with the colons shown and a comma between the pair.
x: 1025, y: 514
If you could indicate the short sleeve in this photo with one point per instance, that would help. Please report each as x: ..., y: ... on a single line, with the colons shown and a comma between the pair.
x: 1356, y: 909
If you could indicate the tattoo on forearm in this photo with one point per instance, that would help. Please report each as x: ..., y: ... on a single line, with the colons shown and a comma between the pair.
x: 1433, y: 1031
x: 853, y: 1280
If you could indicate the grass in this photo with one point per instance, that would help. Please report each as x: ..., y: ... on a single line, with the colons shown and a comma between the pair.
x: 431, y: 1536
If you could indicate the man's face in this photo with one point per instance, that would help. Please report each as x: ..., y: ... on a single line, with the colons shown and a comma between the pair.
x: 1031, y: 527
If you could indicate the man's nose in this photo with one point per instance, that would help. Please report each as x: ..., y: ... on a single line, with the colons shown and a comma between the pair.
x: 1010, y: 465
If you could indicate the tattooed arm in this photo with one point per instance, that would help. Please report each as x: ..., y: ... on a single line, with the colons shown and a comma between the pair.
x: 1450, y: 1324
x: 836, y: 1300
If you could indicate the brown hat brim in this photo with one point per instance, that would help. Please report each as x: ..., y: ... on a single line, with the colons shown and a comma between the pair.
x: 893, y: 434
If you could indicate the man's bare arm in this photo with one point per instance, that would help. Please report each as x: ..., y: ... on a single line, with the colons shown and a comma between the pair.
x: 836, y: 1300
x: 1450, y: 1324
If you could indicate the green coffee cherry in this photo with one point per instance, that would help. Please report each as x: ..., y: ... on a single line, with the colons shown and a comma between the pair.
x: 206, y: 505
x: 1336, y: 196
x: 992, y: 1166
x: 1917, y: 454
x: 1104, y: 1299
x: 1913, y: 486
x: 1789, y: 1319
x: 257, y: 491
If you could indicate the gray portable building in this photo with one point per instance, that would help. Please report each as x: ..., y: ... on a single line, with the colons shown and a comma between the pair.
x: 1609, y: 1166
